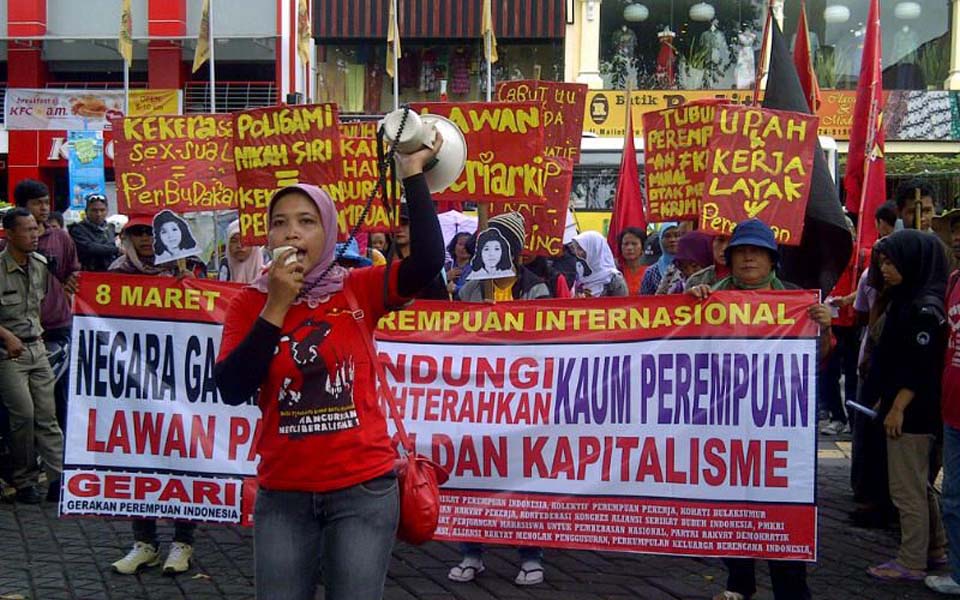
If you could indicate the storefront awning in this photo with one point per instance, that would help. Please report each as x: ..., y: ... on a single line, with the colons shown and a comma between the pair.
x: 456, y: 19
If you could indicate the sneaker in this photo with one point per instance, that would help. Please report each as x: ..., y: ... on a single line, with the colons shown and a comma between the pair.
x: 832, y: 428
x: 467, y: 570
x: 178, y: 561
x: 141, y: 556
x: 943, y: 584
x: 531, y: 573
x: 29, y: 495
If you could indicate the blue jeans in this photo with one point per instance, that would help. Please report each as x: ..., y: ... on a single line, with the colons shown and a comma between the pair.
x: 526, y: 552
x: 349, y: 532
x: 950, y: 502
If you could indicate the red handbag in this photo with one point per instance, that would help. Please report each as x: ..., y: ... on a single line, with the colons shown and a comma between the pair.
x: 419, y: 477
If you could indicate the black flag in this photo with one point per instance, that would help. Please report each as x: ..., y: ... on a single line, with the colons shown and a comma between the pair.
x: 824, y: 251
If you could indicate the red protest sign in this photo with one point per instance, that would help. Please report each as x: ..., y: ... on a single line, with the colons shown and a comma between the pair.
x: 504, y: 151
x: 545, y: 223
x: 759, y: 166
x: 361, y: 171
x: 180, y: 163
x: 279, y: 146
x: 563, y: 109
x: 675, y: 159
x: 358, y: 128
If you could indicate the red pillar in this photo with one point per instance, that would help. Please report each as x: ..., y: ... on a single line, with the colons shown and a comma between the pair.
x: 25, y: 69
x: 165, y: 66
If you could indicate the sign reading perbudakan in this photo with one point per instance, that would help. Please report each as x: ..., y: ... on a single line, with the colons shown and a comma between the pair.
x: 279, y: 146
x: 180, y: 163
x: 505, y: 151
x: 654, y: 425
x: 759, y: 165
x: 675, y: 162
x: 150, y: 436
x: 563, y: 105
x: 545, y: 222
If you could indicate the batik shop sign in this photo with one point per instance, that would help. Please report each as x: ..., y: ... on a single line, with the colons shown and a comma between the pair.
x: 545, y: 223
x: 179, y: 163
x: 651, y: 425
x: 150, y: 437
x: 563, y: 105
x: 675, y: 164
x: 760, y: 163
x: 505, y: 151
x: 280, y: 146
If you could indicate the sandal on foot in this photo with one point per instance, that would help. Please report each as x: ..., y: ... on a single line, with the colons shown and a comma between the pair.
x: 894, y: 571
x: 531, y: 573
x: 729, y: 596
x: 466, y: 571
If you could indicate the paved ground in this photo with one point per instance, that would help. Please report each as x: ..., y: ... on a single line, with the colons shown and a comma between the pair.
x: 45, y: 558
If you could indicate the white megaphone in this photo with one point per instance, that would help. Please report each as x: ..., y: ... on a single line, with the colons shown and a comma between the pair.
x: 418, y: 131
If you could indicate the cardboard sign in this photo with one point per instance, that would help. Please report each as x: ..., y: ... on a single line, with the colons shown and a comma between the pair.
x: 563, y: 105
x: 172, y: 238
x: 545, y: 222
x: 279, y: 146
x: 183, y: 163
x: 504, y: 151
x: 760, y: 165
x: 493, y: 258
x: 675, y: 145
x: 361, y: 172
x: 359, y: 128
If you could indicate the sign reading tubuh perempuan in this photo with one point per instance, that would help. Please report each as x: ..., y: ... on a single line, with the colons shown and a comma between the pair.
x: 688, y: 428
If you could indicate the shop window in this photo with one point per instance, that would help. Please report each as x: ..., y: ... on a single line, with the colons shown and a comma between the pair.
x: 715, y: 44
x: 353, y: 76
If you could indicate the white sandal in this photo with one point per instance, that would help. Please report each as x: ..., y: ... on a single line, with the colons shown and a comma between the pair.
x: 531, y: 573
x: 467, y: 570
x: 728, y: 596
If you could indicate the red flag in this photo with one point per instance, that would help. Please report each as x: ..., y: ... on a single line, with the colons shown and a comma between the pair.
x: 865, y: 179
x: 628, y: 203
x: 804, y: 63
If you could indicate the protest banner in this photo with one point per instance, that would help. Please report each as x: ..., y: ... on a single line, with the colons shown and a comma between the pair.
x: 71, y: 110
x: 563, y: 105
x: 279, y: 146
x: 153, y: 103
x: 675, y: 162
x: 361, y: 171
x: 656, y: 425
x: 149, y: 435
x: 759, y: 165
x: 361, y: 129
x: 181, y: 163
x: 689, y: 428
x: 505, y: 161
x: 85, y: 167
x: 545, y: 222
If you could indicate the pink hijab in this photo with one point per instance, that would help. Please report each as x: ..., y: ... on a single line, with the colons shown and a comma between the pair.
x: 248, y: 270
x: 315, y: 288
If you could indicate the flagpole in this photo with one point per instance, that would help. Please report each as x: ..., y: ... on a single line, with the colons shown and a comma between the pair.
x: 488, y: 50
x: 764, y: 58
x: 396, y: 51
x: 213, y: 74
x: 126, y: 86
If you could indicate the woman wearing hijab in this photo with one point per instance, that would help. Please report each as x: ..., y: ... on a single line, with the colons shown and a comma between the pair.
x: 137, y: 258
x: 461, y: 253
x: 753, y: 256
x: 694, y: 252
x: 715, y: 272
x: 597, y: 273
x: 244, y: 263
x: 669, y: 238
x: 327, y: 488
x: 905, y: 376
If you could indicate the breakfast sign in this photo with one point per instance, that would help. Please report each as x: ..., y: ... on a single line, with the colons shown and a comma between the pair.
x: 69, y: 110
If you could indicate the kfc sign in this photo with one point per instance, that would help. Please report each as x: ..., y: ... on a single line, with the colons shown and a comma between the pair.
x: 59, y: 148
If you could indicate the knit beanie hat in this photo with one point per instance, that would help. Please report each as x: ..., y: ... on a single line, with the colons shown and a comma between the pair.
x: 511, y: 227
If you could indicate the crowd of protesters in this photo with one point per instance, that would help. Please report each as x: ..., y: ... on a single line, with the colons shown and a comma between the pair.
x: 889, y: 375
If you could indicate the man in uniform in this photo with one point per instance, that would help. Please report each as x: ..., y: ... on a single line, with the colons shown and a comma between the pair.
x: 26, y: 380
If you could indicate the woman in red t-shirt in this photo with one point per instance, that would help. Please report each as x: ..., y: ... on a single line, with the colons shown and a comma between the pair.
x: 326, y: 478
